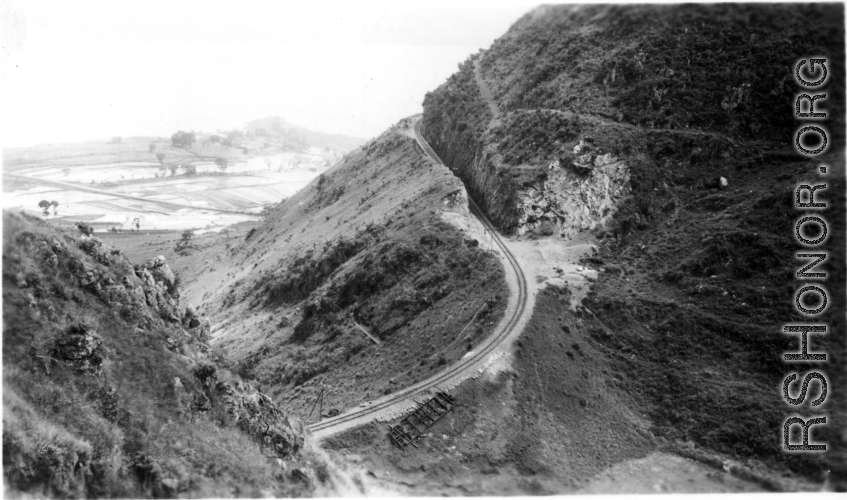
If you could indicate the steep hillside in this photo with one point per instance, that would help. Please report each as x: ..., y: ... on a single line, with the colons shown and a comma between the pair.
x: 569, y: 86
x: 617, y: 123
x: 358, y: 284
x: 110, y: 389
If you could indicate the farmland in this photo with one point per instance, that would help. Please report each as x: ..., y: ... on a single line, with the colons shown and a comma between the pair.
x: 119, y: 183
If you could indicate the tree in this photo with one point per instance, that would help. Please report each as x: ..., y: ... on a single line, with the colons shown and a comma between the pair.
x: 221, y: 163
x: 183, y: 139
x: 173, y: 168
x: 161, y: 158
x: 186, y: 241
x: 152, y: 146
x: 117, y: 139
x: 137, y: 223
x: 190, y: 170
x: 45, y: 207
x: 267, y: 210
x: 55, y: 205
x: 66, y: 171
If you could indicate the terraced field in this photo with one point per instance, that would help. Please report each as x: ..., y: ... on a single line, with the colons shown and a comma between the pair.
x: 115, y: 194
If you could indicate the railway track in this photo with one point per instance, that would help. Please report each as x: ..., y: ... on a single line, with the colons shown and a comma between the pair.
x: 459, y: 370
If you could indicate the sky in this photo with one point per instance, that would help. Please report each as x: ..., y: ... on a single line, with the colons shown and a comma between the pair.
x: 88, y: 70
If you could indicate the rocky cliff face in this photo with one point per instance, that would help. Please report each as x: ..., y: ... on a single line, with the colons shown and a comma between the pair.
x: 455, y: 123
x: 575, y: 199
x: 566, y: 77
x: 568, y: 184
x: 667, y: 132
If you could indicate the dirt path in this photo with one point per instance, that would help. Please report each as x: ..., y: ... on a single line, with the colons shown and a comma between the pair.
x: 497, y: 114
x: 77, y: 187
x: 487, y: 95
x: 602, y: 120
x: 518, y: 312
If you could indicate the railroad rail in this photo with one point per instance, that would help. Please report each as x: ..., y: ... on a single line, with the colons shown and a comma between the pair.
x: 363, y: 415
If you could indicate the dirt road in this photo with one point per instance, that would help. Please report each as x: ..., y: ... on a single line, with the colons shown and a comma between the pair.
x: 516, y: 316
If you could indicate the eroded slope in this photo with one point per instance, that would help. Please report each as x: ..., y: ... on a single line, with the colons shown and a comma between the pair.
x: 357, y: 284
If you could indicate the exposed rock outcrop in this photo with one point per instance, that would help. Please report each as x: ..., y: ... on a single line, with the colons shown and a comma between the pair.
x: 576, y: 201
x: 256, y: 414
x: 161, y: 271
x: 156, y: 293
x: 197, y: 326
x: 81, y: 347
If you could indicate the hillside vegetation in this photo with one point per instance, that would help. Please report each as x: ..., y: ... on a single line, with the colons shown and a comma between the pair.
x: 111, y: 390
x: 618, y: 122
x: 356, y: 284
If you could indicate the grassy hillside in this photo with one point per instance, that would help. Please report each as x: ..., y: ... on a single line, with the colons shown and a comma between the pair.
x: 672, y: 67
x: 110, y: 389
x: 356, y: 284
x: 697, y: 279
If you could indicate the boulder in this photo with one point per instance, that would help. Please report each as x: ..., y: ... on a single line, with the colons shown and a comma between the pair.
x: 198, y: 327
x: 257, y: 415
x: 116, y: 295
x: 89, y: 277
x: 57, y: 246
x: 603, y: 160
x: 81, y: 347
x: 96, y: 249
x: 164, y: 274
x: 583, y: 164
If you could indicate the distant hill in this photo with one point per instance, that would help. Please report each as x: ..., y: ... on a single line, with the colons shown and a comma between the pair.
x: 259, y: 137
x: 276, y: 126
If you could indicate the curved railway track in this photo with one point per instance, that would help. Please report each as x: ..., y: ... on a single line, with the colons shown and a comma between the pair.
x: 465, y: 366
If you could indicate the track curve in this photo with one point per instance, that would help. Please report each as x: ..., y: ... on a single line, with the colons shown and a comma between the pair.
x: 465, y: 366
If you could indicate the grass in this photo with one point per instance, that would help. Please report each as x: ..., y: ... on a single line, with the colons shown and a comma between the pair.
x: 123, y: 433
x: 699, y: 278
x: 380, y: 256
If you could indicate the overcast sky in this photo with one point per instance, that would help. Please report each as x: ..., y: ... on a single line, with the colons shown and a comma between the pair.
x: 92, y: 70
